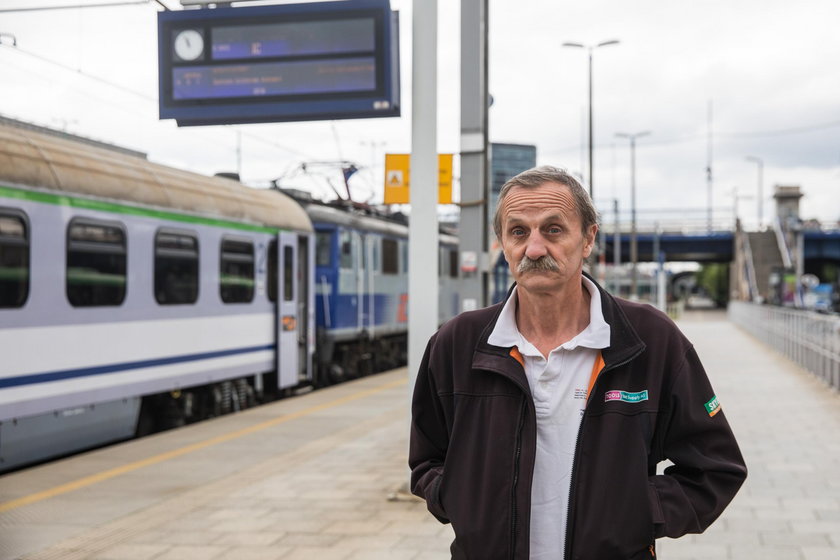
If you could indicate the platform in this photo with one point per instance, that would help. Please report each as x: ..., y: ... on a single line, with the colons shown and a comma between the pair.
x: 310, y: 477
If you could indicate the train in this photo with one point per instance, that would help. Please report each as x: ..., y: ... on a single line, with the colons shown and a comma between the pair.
x: 136, y: 297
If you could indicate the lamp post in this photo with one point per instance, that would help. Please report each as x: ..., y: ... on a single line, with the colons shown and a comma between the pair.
x: 634, y: 246
x: 591, y: 48
x: 760, y: 163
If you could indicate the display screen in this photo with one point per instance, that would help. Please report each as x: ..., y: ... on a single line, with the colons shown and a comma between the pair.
x: 274, y: 78
x: 293, y: 39
x: 317, y: 60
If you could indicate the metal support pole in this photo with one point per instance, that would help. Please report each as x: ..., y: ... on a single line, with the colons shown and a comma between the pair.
x: 423, y: 226
x: 634, y: 248
x: 616, y: 249
x: 634, y: 241
x: 760, y: 163
x: 591, y: 134
x: 709, y: 183
x: 659, y: 255
x: 475, y: 223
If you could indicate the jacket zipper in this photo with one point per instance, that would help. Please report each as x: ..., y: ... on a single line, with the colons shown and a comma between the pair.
x: 573, y: 479
x: 517, y: 454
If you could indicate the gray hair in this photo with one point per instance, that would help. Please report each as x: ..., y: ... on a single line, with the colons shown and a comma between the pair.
x: 537, y: 176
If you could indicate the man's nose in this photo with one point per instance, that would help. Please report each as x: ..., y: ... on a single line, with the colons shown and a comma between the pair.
x: 536, y: 246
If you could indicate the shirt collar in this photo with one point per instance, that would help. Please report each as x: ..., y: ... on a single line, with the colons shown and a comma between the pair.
x: 595, y: 335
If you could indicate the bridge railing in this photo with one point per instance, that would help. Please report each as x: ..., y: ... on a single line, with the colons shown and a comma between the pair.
x: 810, y: 339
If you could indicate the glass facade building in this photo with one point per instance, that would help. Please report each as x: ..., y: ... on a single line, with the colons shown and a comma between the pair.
x: 506, y: 160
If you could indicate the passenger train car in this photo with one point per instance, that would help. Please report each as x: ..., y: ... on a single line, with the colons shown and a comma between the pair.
x: 136, y: 297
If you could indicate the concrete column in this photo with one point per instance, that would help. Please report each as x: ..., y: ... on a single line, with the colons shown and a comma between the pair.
x: 474, y: 227
x: 423, y: 225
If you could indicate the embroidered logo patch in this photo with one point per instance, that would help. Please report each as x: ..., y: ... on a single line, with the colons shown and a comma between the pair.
x: 624, y: 396
x: 713, y: 406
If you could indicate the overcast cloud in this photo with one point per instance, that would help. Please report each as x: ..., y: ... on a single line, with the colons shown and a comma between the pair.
x: 770, y: 69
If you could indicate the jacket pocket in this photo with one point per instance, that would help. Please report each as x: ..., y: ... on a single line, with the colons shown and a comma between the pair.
x: 656, y: 511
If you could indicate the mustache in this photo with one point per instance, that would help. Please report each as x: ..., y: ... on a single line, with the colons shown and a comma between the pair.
x: 543, y: 264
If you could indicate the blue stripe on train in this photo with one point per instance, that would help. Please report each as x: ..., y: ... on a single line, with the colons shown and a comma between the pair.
x: 343, y: 314
x: 34, y: 378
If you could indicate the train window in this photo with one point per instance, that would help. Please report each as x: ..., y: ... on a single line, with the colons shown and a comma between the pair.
x: 176, y: 267
x: 346, y: 241
x: 404, y: 254
x: 272, y: 270
x: 322, y: 248
x: 236, y: 277
x: 453, y: 263
x: 96, y: 263
x: 14, y: 259
x: 390, y: 256
x: 288, y: 273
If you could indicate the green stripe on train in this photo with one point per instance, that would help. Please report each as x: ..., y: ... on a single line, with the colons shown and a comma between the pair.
x: 101, y: 206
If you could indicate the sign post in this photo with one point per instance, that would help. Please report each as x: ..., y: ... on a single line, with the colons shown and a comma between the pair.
x: 398, y: 178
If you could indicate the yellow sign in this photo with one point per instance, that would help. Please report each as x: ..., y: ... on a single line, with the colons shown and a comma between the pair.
x: 397, y: 175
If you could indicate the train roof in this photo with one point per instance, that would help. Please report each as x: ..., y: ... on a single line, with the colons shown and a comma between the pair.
x: 352, y: 217
x: 40, y: 158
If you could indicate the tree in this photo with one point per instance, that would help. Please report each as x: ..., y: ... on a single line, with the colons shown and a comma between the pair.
x: 713, y: 278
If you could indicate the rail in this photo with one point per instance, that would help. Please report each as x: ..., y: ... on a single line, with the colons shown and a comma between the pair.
x: 810, y: 339
x: 750, y: 265
x: 787, y: 259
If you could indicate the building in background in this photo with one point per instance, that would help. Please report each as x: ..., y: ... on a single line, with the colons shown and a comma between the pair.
x: 506, y: 160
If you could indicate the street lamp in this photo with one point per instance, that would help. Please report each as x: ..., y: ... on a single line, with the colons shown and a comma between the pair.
x: 591, y: 48
x: 634, y: 246
x: 760, y: 163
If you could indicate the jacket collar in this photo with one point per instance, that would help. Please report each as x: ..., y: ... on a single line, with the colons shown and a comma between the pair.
x: 625, y: 342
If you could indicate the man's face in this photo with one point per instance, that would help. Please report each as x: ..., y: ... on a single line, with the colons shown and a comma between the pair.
x: 541, y: 225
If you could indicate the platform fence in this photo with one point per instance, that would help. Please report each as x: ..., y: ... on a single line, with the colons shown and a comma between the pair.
x: 810, y: 339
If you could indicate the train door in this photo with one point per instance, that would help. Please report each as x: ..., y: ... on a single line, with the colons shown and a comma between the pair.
x: 372, y: 261
x: 306, y: 305
x: 360, y: 265
x: 288, y: 357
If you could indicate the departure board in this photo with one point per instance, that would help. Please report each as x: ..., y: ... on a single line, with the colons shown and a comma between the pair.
x: 323, y: 60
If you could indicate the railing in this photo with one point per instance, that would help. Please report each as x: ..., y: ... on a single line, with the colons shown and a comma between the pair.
x: 810, y: 339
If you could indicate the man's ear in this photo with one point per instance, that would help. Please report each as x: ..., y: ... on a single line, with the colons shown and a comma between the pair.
x: 589, y: 240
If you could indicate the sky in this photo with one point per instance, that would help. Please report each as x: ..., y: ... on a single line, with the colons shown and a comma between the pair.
x: 769, y: 70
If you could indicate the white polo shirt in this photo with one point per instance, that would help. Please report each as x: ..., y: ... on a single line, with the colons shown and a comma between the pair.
x: 559, y: 387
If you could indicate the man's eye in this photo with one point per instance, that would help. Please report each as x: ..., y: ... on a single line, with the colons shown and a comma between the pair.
x: 517, y: 231
x: 555, y: 229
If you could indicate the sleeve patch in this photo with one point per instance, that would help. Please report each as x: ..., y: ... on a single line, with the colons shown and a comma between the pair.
x: 713, y: 406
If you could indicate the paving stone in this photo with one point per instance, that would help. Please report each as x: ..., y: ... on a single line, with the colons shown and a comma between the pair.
x: 317, y: 553
x: 192, y: 552
x: 776, y: 552
x: 819, y: 553
x: 256, y: 553
x: 132, y: 552
x: 795, y: 539
x: 387, y: 554
x: 309, y: 540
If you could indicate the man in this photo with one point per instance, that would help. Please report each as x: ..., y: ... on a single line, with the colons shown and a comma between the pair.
x: 538, y: 423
